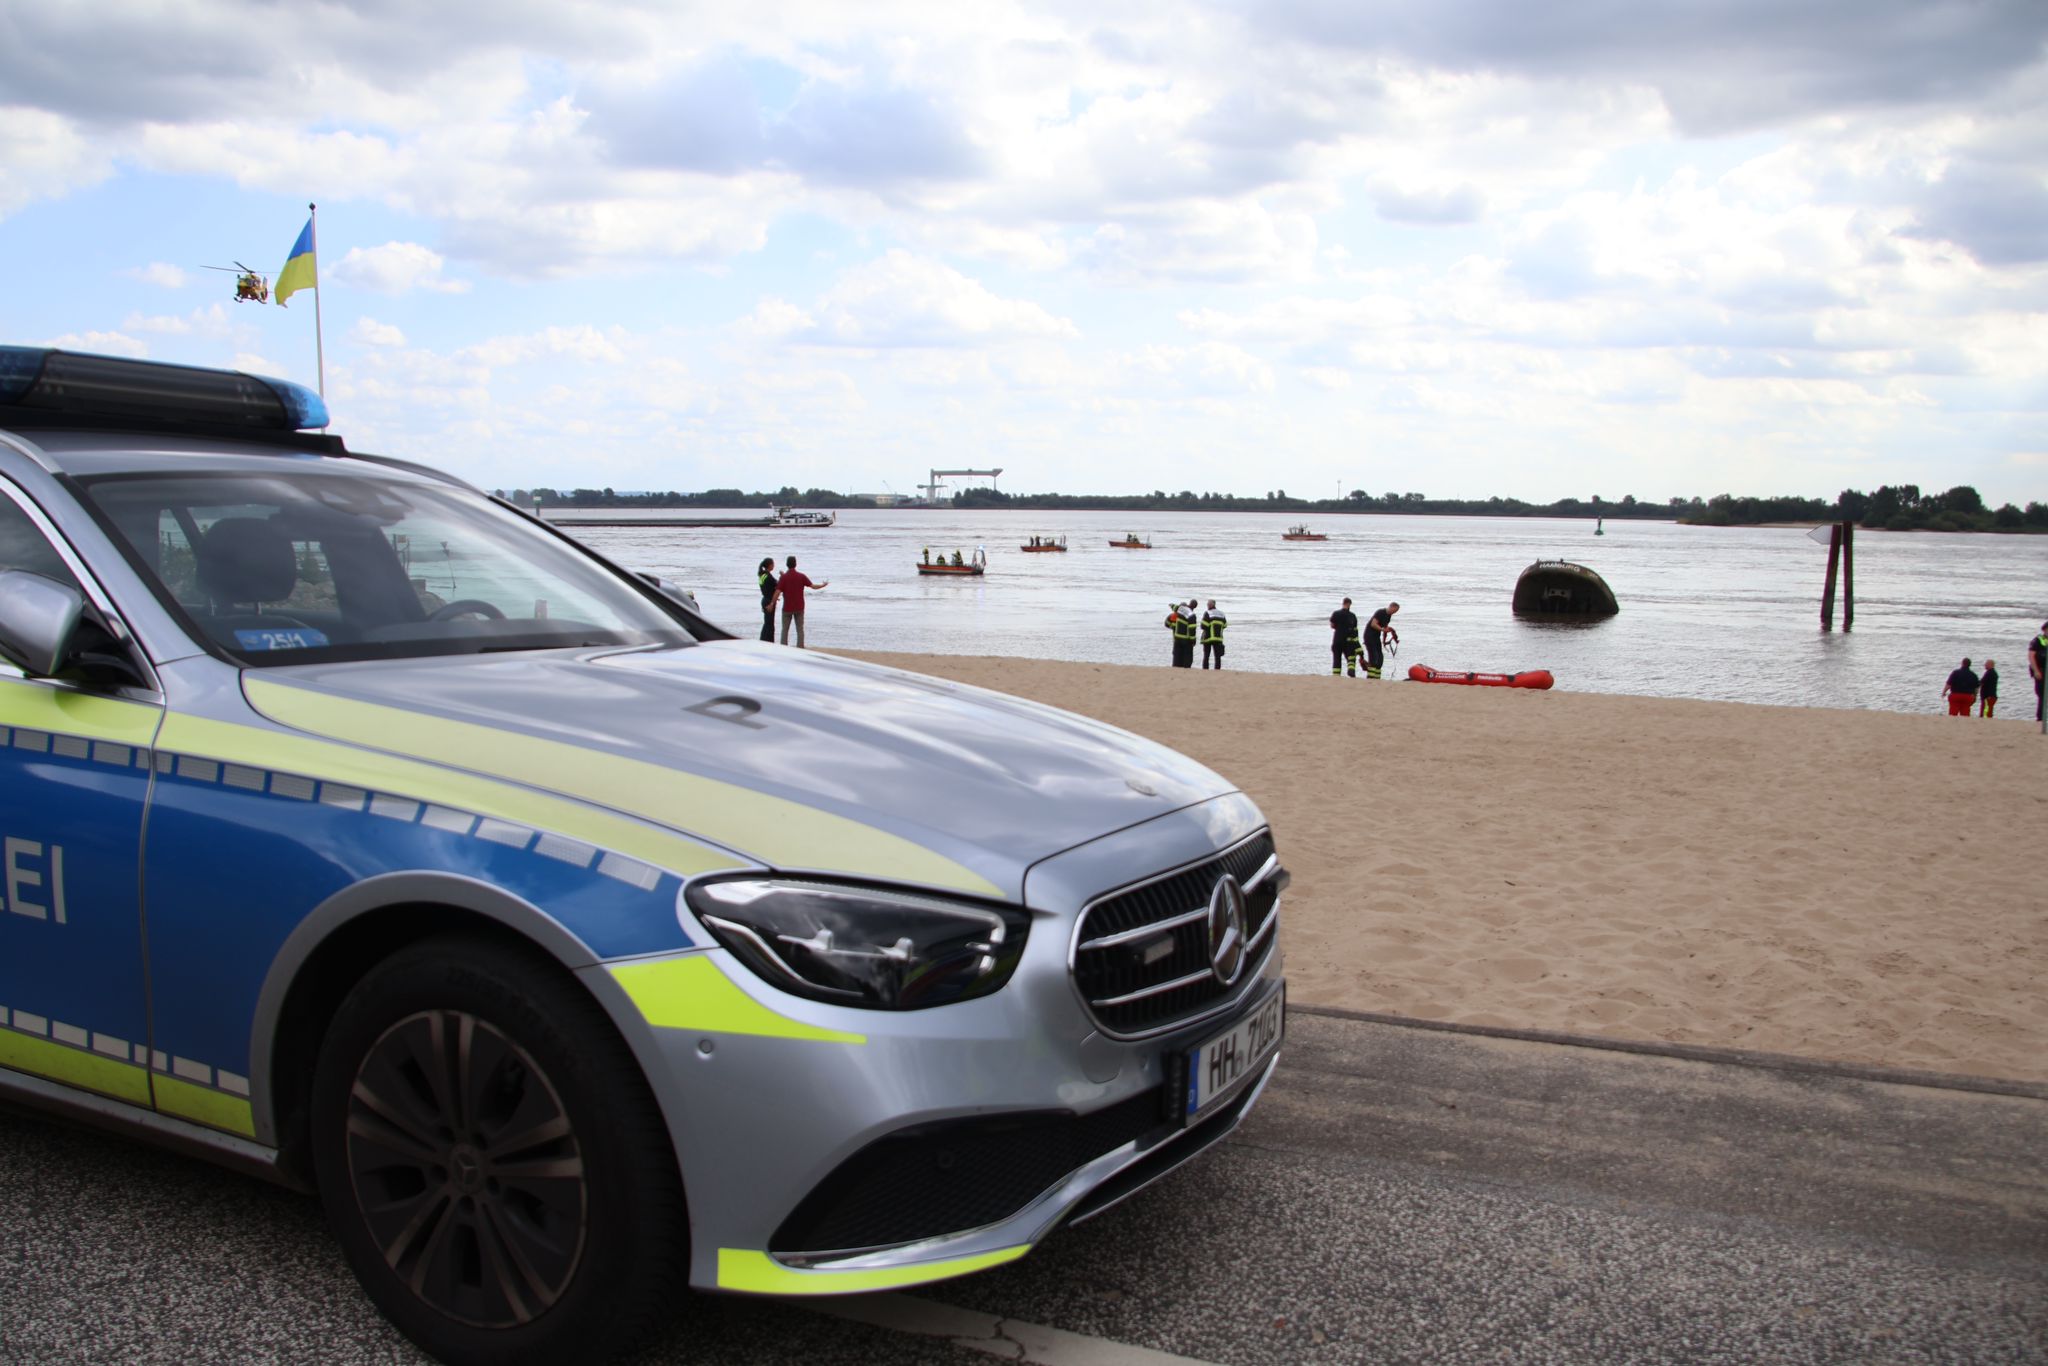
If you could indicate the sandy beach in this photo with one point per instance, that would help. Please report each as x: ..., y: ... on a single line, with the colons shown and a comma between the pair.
x: 1855, y: 886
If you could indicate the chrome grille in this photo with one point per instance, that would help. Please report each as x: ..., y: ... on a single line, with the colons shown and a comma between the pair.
x: 1141, y: 956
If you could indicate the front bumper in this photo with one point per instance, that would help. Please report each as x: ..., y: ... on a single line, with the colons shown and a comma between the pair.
x: 826, y: 1150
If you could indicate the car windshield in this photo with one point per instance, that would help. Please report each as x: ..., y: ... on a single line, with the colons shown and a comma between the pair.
x: 300, y: 567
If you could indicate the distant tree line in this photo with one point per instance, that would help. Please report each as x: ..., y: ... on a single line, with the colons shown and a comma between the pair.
x: 1358, y: 500
x: 1901, y: 508
x: 786, y: 496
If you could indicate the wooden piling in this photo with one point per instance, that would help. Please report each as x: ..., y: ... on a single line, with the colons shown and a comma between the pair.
x: 1827, y: 592
x: 1848, y: 575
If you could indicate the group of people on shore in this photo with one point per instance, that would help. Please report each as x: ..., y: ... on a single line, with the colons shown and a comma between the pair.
x: 786, y: 588
x: 1347, y: 640
x: 1187, y: 630
x: 1968, y: 691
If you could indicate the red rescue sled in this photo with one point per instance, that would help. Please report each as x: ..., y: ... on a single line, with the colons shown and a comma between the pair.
x: 1527, y: 678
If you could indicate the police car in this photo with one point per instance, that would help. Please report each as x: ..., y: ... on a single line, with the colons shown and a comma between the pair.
x: 362, y: 832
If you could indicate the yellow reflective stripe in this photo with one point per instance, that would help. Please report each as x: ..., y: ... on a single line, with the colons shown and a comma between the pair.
x: 692, y: 993
x: 270, y: 749
x: 38, y: 707
x: 204, y: 1105
x: 756, y: 1273
x: 779, y: 831
x: 74, y: 1067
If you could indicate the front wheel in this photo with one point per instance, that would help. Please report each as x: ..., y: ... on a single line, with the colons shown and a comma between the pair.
x: 491, y: 1160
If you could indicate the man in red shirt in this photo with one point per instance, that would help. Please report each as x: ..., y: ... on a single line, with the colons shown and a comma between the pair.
x: 1961, y: 690
x: 792, y: 585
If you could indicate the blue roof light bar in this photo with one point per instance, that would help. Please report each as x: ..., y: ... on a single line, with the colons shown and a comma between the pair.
x: 117, y: 387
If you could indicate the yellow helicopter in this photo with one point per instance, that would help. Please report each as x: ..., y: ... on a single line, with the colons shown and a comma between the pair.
x: 250, y: 286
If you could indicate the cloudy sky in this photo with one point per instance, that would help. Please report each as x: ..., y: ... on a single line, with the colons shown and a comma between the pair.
x: 1457, y: 247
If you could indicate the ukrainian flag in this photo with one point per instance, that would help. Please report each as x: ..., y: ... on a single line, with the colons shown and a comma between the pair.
x: 299, y: 271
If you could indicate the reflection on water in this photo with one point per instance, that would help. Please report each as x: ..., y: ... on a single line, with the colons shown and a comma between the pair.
x: 1730, y: 613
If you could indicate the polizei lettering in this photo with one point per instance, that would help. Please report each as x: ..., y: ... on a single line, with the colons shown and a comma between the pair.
x: 32, y: 878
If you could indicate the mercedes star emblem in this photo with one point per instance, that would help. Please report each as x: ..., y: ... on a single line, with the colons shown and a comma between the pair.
x: 1226, y: 929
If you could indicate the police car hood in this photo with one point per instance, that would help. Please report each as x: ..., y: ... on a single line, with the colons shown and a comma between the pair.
x: 795, y: 759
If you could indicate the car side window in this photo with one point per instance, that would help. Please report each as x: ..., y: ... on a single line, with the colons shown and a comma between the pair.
x: 178, y: 563
x: 23, y: 545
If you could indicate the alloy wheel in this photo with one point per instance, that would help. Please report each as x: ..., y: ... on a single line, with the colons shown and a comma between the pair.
x: 466, y: 1169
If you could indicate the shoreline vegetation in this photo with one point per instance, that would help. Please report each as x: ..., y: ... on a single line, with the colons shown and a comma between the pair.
x: 1891, y: 508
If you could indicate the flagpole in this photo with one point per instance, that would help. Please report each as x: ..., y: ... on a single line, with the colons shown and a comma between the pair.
x: 319, y: 343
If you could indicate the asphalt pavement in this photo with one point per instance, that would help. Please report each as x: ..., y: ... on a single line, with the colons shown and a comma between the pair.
x: 1401, y: 1195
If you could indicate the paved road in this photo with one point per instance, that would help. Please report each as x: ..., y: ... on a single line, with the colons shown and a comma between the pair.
x: 1401, y: 1195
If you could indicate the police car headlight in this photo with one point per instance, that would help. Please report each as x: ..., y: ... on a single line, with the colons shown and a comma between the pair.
x: 860, y: 946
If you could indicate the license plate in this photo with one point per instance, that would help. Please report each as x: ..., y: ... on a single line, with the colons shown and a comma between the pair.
x: 1223, y: 1064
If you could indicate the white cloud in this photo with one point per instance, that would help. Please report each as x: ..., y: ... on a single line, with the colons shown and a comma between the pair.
x: 1209, y: 367
x: 47, y: 156
x: 161, y: 323
x: 160, y: 274
x: 583, y: 343
x: 211, y: 321
x: 826, y: 234
x: 254, y: 363
x: 905, y: 300
x: 394, y: 268
x: 369, y: 332
x: 773, y: 319
x: 102, y: 343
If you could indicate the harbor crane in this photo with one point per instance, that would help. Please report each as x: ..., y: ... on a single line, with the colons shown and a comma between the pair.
x: 931, y: 490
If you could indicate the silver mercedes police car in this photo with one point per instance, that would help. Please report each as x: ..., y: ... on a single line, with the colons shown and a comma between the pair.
x: 363, y: 832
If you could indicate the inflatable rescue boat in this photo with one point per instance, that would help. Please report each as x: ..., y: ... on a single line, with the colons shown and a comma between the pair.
x: 1527, y: 678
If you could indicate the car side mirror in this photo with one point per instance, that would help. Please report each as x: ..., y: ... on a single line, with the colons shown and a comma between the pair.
x: 39, y: 619
x: 673, y: 591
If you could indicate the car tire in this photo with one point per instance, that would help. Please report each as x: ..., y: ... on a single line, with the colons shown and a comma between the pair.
x: 492, y: 1161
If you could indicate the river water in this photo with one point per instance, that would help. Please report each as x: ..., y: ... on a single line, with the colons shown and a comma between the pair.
x: 1728, y: 613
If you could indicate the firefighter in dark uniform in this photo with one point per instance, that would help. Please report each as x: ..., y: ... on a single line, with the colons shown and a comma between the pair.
x: 1344, y: 640
x: 1213, y: 623
x: 1182, y: 624
x: 2037, y: 669
x: 1377, y: 631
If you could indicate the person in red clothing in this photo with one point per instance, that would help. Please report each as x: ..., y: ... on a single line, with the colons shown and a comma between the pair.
x: 1961, y: 690
x: 792, y: 585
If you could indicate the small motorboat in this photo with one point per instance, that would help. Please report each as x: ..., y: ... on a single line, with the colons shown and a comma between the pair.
x: 956, y: 567
x: 1302, y: 533
x: 1527, y: 678
x: 1042, y: 544
x: 1559, y: 588
x: 1131, y: 542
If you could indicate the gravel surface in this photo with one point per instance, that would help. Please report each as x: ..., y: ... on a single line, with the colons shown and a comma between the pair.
x: 1396, y: 1198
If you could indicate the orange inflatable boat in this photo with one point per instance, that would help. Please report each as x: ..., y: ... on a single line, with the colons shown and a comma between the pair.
x: 1527, y: 678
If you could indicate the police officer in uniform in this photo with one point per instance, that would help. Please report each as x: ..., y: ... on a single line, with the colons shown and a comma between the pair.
x: 1344, y: 640
x: 1213, y: 624
x: 770, y: 583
